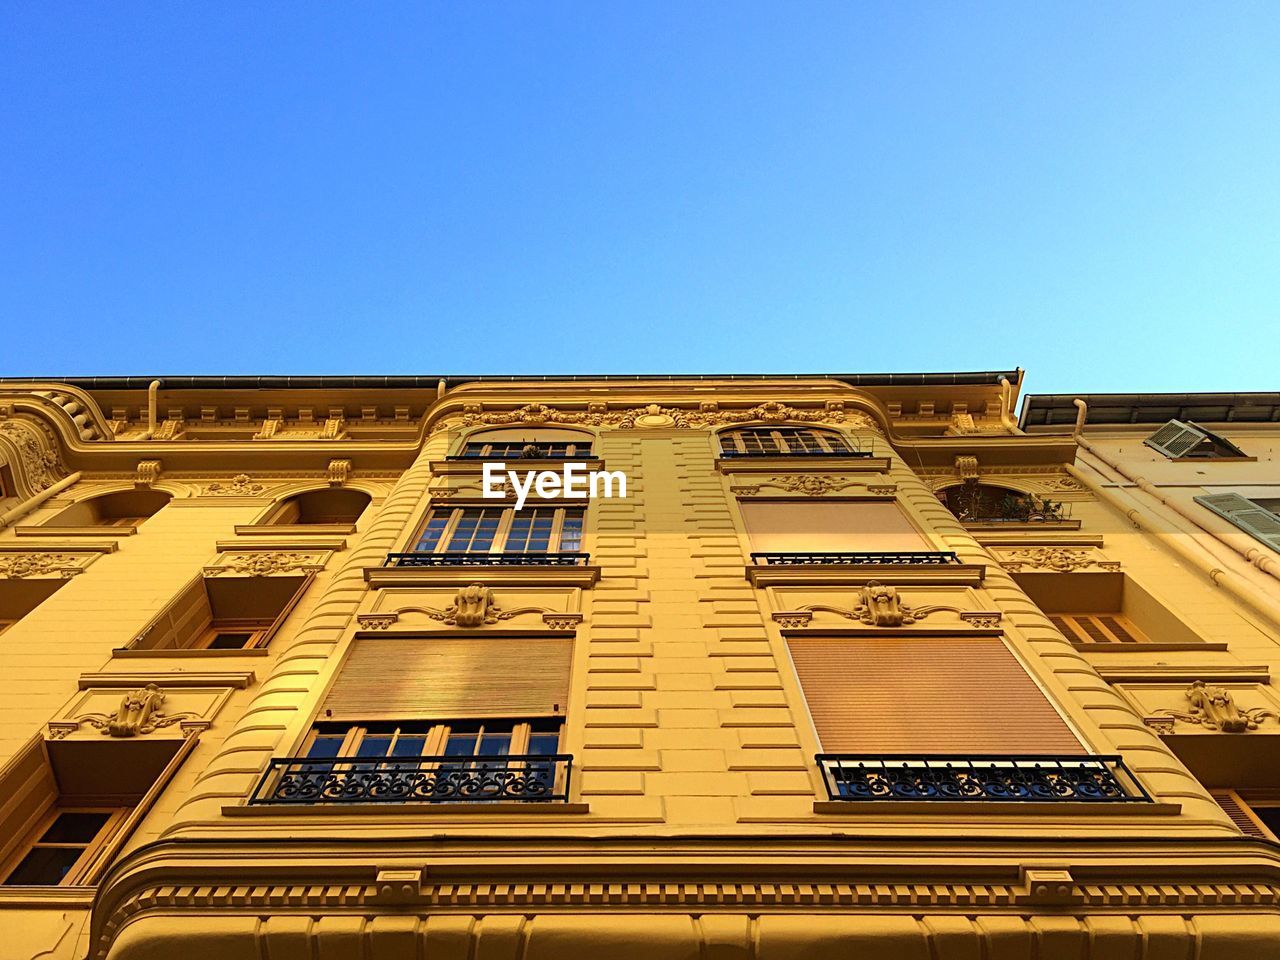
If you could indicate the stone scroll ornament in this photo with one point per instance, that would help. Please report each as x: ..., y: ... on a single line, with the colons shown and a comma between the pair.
x: 473, y: 606
x: 1214, y: 708
x: 139, y: 713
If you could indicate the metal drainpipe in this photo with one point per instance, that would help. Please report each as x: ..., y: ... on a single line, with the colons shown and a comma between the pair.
x: 153, y: 403
x: 22, y: 509
x: 1006, y: 421
x: 1246, y: 591
x: 1256, y: 557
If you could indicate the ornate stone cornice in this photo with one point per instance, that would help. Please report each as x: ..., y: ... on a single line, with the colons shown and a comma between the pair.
x: 38, y: 465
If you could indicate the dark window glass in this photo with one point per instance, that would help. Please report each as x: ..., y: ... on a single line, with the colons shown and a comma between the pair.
x: 230, y: 641
x: 75, y: 828
x: 45, y: 866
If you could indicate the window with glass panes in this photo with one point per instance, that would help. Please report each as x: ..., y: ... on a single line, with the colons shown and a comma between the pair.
x: 527, y: 449
x: 62, y: 847
x: 782, y: 441
x: 393, y: 740
x: 499, y: 530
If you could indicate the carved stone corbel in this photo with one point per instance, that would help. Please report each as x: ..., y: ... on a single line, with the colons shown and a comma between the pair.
x: 1214, y: 708
x: 339, y: 470
x: 139, y: 713
x: 148, y: 473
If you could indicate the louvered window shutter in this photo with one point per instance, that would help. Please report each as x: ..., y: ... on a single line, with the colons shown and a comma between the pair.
x: 1241, y: 815
x: 1176, y: 439
x: 426, y: 679
x: 1258, y: 522
x: 925, y: 695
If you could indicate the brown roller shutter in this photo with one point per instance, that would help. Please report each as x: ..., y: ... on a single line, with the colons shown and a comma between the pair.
x: 926, y: 695
x: 833, y: 527
x: 425, y: 679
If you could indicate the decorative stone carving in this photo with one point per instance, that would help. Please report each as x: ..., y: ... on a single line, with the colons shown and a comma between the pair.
x: 1059, y: 559
x: 339, y: 470
x: 967, y: 467
x: 239, y: 486
x: 140, y: 713
x: 264, y: 564
x: 15, y: 566
x: 881, y: 606
x: 561, y: 621
x: 148, y: 473
x: 813, y: 485
x: 473, y: 606
x: 1214, y: 707
x: 654, y: 415
x: 37, y: 448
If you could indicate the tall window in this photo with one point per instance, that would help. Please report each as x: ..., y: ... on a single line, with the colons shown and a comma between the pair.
x: 539, y: 736
x: 782, y: 442
x: 125, y: 508
x: 528, y: 450
x: 502, y: 530
x: 62, y: 847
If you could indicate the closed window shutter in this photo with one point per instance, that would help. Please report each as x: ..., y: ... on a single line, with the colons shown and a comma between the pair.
x: 926, y: 695
x: 1241, y: 815
x: 1175, y: 439
x: 1258, y: 522
x: 425, y: 679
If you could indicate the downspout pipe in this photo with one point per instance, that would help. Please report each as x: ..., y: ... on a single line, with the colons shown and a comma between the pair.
x: 1261, y: 559
x: 153, y: 409
x: 22, y: 509
x: 1176, y: 539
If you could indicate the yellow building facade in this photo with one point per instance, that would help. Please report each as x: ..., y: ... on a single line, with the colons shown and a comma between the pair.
x: 865, y: 665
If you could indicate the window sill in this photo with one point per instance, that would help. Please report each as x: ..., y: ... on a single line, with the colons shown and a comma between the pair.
x: 802, y: 464
x: 49, y: 531
x: 41, y: 896
x: 836, y: 574
x: 129, y: 653
x: 493, y: 576
x: 293, y: 529
x: 989, y: 526
x: 1147, y: 647
x: 950, y: 808
x: 444, y: 809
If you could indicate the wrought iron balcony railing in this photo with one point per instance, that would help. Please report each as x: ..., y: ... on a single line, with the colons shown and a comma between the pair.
x: 930, y: 557
x: 572, y: 559
x: 418, y: 779
x: 512, y: 457
x: 1054, y: 779
x: 739, y: 454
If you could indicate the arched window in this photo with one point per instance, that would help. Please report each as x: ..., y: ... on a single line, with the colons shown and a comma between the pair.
x: 528, y: 444
x: 321, y: 506
x: 984, y: 503
x: 122, y: 509
x: 784, y: 442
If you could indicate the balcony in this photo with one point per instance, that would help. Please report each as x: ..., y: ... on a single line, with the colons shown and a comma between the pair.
x: 538, y: 455
x: 732, y: 453
x: 1020, y: 779
x: 916, y: 558
x: 527, y: 779
x: 571, y: 559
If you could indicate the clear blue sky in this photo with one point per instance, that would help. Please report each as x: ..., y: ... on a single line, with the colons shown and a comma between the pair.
x: 1091, y: 191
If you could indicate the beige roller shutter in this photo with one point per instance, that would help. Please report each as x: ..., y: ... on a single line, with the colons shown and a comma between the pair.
x: 425, y: 679
x: 925, y: 695
x: 835, y: 527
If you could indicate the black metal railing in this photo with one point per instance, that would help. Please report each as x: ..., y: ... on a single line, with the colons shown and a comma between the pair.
x: 420, y: 779
x: 930, y: 557
x: 515, y: 457
x: 1054, y: 779
x: 731, y: 452
x: 487, y: 559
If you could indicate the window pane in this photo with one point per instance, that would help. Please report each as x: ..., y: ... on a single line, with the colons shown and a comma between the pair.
x: 374, y: 745
x: 475, y: 531
x: 496, y: 744
x: 326, y: 745
x: 571, y: 532
x: 433, y: 531
x: 229, y: 641
x: 75, y: 827
x: 461, y: 745
x: 543, y: 744
x: 409, y: 746
x: 45, y: 866
x: 530, y: 531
